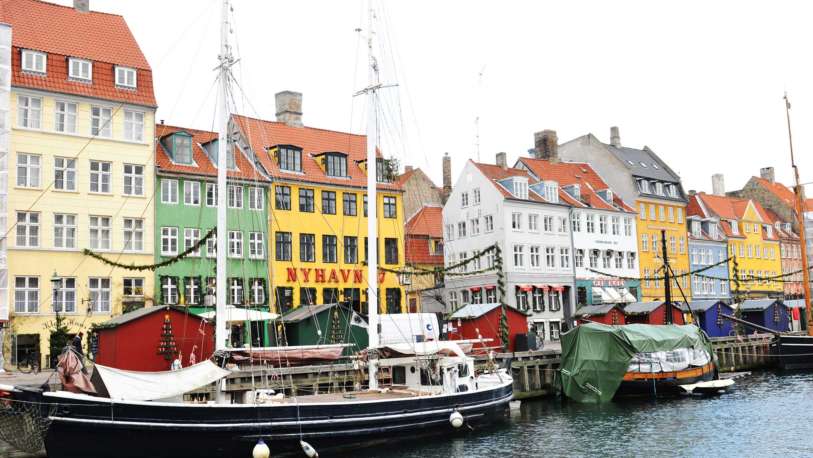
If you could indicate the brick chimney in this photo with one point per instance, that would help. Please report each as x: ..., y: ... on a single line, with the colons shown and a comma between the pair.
x: 502, y: 160
x: 615, y: 137
x: 546, y: 145
x: 447, y: 176
x: 83, y: 6
x: 717, y: 184
x: 767, y: 173
x: 408, y: 168
x: 289, y: 108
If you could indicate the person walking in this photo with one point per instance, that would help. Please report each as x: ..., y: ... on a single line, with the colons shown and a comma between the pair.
x: 77, y: 343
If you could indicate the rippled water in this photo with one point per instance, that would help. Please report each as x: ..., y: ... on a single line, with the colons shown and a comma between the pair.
x: 765, y: 415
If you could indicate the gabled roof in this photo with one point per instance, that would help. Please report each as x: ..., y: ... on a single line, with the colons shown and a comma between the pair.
x: 202, y: 164
x: 262, y: 134
x: 644, y: 163
x: 404, y: 177
x: 306, y: 311
x: 427, y: 221
x: 592, y: 310
x: 496, y: 173
x: 777, y: 189
x: 636, y: 308
x: 730, y: 208
x: 62, y: 32
x: 703, y: 305
x: 141, y: 312
x: 419, y: 252
x: 757, y: 304
x: 471, y: 311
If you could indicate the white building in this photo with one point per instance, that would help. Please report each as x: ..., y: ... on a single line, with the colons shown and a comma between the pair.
x: 495, y: 204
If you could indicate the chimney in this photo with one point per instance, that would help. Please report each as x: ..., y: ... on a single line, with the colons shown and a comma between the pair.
x: 289, y: 108
x: 83, y: 6
x: 447, y: 176
x: 407, y: 168
x: 546, y: 145
x: 767, y: 173
x: 717, y: 184
x: 502, y: 160
x: 692, y: 192
x: 615, y: 137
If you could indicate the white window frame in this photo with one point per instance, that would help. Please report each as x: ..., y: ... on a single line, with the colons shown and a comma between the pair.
x: 29, y: 112
x: 489, y: 223
x: 211, y: 189
x: 191, y: 193
x: 100, y: 294
x: 134, y: 126
x: 256, y: 245
x: 516, y: 221
x: 100, y: 232
x: 169, y: 241
x: 123, y: 75
x: 133, y: 229
x: 28, y: 227
x: 191, y: 236
x: 64, y: 231
x: 519, y: 256
x: 65, y: 296
x: 627, y: 226
x: 31, y: 60
x: 235, y: 197
x: 80, y: 69
x: 169, y: 191
x: 30, y: 291
x: 134, y: 286
x: 103, y: 175
x: 101, y: 121
x: 134, y: 180
x: 29, y: 167
x: 256, y: 198
x: 65, y: 116
x: 67, y: 167
x: 235, y: 244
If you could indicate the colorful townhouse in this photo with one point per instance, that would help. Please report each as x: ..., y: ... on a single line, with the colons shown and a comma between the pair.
x: 641, y: 178
x: 424, y: 251
x: 186, y: 210
x: 80, y: 170
x: 707, y: 246
x: 317, y: 212
x: 751, y: 240
x: 605, y: 249
x: 496, y: 204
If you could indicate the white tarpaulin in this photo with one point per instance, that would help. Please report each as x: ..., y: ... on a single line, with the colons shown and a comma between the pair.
x: 236, y: 314
x: 150, y: 386
x: 443, y: 347
x: 669, y: 361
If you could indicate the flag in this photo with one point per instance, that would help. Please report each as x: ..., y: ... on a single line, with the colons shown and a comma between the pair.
x: 357, y: 320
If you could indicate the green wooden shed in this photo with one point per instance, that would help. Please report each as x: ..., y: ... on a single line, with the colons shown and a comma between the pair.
x: 325, y: 324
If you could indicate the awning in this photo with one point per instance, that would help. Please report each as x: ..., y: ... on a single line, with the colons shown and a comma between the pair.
x: 236, y: 314
x: 598, y: 294
x: 542, y: 287
x: 150, y: 386
x: 491, y: 287
x: 557, y: 288
x: 476, y: 288
x: 612, y: 295
x: 526, y: 287
x: 627, y: 295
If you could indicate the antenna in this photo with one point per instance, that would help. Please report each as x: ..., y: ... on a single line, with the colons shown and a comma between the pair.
x: 477, y: 113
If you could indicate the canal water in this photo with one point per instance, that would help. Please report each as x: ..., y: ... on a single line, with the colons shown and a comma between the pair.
x: 765, y: 415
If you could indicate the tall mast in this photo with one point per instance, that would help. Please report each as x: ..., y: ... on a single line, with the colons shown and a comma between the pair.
x: 226, y: 60
x: 667, y: 285
x: 800, y: 213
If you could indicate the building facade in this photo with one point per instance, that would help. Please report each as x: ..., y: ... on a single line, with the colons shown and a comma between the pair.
x: 82, y: 117
x: 424, y: 251
x: 419, y: 191
x: 641, y: 178
x: 707, y: 246
x: 317, y: 219
x: 495, y: 204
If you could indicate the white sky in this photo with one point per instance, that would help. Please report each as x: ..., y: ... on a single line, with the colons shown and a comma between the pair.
x: 699, y: 82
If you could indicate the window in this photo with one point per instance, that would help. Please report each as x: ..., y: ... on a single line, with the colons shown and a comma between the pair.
x: 282, y: 246
x: 661, y: 213
x: 169, y: 290
x: 671, y: 213
x: 489, y: 223
x: 65, y: 117
x: 211, y: 195
x: 289, y: 159
x: 535, y: 256
x: 591, y: 223
x: 464, y: 199
x: 29, y: 111
x: 328, y: 202
x: 64, y: 230
x: 552, y: 191
x: 538, y: 300
x: 282, y: 197
x: 389, y: 207
x: 491, y: 295
x: 554, y: 329
x: 236, y: 291
x: 336, y: 165
x: 256, y: 245
x: 191, y: 193
x: 659, y: 188
x: 33, y: 61
x: 100, y: 178
x: 28, y: 229
x: 190, y: 238
x: 26, y: 295
x: 365, y: 205
x: 134, y: 126
x: 548, y: 223
x: 461, y: 229
x: 329, y: 248
x: 682, y: 245
x: 550, y: 257
x: 126, y: 77
x: 628, y: 226
x: 576, y: 222
x: 564, y: 258
x: 306, y: 200
x: 100, y: 121
x: 475, y: 226
x: 616, y: 225
x: 307, y: 247
x: 672, y: 244
x: 605, y: 261
x: 349, y: 206
x: 631, y: 260
x: 521, y: 189
x: 192, y: 290
x: 390, y: 251
x: 516, y: 221
x: 28, y: 170
x: 133, y: 234
x: 619, y: 260
x: 256, y: 199
x: 133, y: 287
x: 647, y: 280
x: 476, y: 194
x: 351, y: 250
x: 169, y: 241
x: 169, y: 190
x: 235, y: 244
x: 258, y: 291
x: 602, y: 224
x: 99, y: 294
x: 643, y: 185
x: 644, y: 242
x: 100, y: 232
x: 182, y: 149
x: 533, y: 222
x: 562, y: 228
x: 578, y: 260
x: 134, y: 180
x: 522, y: 299
x: 519, y: 256
x: 643, y: 212
x: 235, y: 196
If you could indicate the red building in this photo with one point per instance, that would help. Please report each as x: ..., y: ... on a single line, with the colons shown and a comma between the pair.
x: 652, y: 313
x: 606, y: 314
x: 131, y: 341
x: 483, y: 320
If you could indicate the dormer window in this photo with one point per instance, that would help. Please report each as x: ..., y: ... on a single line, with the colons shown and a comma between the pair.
x: 769, y: 231
x: 520, y: 189
x: 671, y: 190
x: 213, y: 148
x: 643, y: 186
x: 696, y: 228
x: 336, y: 165
x: 289, y: 158
x: 80, y: 69
x: 659, y: 188
x: 551, y: 191
x: 713, y: 231
x: 34, y: 61
x: 126, y: 77
x: 734, y: 228
x: 179, y: 145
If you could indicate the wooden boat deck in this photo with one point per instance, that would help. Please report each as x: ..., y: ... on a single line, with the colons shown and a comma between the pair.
x: 354, y: 396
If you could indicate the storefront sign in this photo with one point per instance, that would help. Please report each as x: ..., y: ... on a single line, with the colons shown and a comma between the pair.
x: 604, y: 282
x: 339, y: 276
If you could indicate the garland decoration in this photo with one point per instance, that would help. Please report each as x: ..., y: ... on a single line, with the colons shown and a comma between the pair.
x: 661, y: 278
x: 142, y: 267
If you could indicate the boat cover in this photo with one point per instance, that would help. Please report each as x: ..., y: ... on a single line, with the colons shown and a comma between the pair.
x: 290, y: 356
x: 443, y: 347
x: 596, y: 356
x: 240, y: 314
x: 151, y: 386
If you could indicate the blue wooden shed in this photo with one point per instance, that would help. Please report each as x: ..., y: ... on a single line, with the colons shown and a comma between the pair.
x: 709, y: 317
x: 770, y: 313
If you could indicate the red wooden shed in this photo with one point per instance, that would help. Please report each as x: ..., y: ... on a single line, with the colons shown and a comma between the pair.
x: 132, y: 341
x: 486, y: 318
x: 652, y: 313
x: 606, y: 313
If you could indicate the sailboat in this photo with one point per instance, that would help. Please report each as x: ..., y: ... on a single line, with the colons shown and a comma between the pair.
x: 433, y: 386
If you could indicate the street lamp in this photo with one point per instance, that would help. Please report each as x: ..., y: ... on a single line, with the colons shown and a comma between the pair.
x: 56, y: 282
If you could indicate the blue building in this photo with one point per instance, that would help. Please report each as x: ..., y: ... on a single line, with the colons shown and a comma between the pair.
x: 707, y: 246
x: 769, y: 313
x: 709, y: 316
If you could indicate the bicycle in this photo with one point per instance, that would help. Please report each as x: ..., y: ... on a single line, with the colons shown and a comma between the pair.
x: 29, y: 363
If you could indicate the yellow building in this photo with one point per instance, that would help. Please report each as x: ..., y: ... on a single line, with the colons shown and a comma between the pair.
x: 654, y: 216
x: 317, y: 209
x: 80, y: 172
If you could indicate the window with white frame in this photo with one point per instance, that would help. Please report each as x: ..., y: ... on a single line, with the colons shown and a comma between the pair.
x: 552, y: 191
x: 134, y: 126
x: 190, y: 238
x: 578, y: 258
x: 257, y: 291
x: 659, y: 188
x: 191, y: 193
x: 235, y: 244
x: 235, y: 196
x: 133, y: 180
x: 65, y: 295
x: 464, y: 199
x: 516, y: 221
x: 133, y: 287
x: 126, y: 77
x: 661, y: 213
x: 256, y: 201
x: 34, y: 61
x: 576, y: 222
x: 547, y: 223
x: 519, y: 256
x: 489, y: 223
x: 631, y: 260
x: 133, y: 234
x: 562, y: 227
x: 65, y: 117
x: 100, y: 232
x: 80, y: 69
x: 28, y: 229
x: 169, y: 191
x: 450, y: 232
x: 593, y: 259
x: 628, y: 226
x: 64, y: 230
x: 256, y: 245
x: 475, y: 226
x: 619, y: 260
x: 211, y: 195
x: 211, y: 247
x: 169, y: 290
x: 100, y: 176
x: 476, y: 193
x: 29, y: 111
x: 26, y: 295
x: 642, y: 208
x: 605, y: 260
x: 521, y: 189
x: 453, y: 299
x: 461, y: 229
x: 615, y: 222
x: 644, y: 242
x: 535, y: 256
x: 99, y: 294
x: 550, y: 257
x: 236, y: 291
x: 564, y: 258
x: 101, y: 120
x: 28, y: 170
x: 169, y: 241
x: 671, y: 213
x: 591, y: 223
x: 533, y: 222
x: 64, y: 174
x: 602, y: 224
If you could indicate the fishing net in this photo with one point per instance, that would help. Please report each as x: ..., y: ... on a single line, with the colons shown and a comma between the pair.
x: 23, y: 425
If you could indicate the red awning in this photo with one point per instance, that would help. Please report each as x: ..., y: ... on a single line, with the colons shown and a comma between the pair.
x: 526, y: 287
x: 491, y: 287
x: 557, y: 288
x: 542, y: 287
x: 476, y: 288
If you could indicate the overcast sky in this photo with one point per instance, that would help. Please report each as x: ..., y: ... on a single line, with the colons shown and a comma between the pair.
x: 700, y: 83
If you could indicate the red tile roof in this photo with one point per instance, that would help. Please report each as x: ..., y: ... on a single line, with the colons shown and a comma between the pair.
x: 263, y: 134
x: 203, y: 165
x: 427, y: 221
x: 694, y: 208
x: 404, y: 177
x: 778, y: 189
x: 724, y: 206
x: 63, y: 32
x: 496, y: 173
x: 418, y: 251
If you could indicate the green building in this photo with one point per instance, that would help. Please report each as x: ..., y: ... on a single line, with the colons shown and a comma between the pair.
x: 185, y: 212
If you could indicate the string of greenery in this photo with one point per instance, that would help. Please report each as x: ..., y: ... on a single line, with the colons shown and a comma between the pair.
x: 685, y: 274
x: 142, y: 267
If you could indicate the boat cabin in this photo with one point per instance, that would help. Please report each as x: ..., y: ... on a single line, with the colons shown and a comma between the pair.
x: 652, y: 313
x: 430, y: 373
x: 709, y: 317
x: 610, y: 314
x: 769, y: 313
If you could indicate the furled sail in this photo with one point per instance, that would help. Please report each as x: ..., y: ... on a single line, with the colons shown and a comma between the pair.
x: 150, y: 386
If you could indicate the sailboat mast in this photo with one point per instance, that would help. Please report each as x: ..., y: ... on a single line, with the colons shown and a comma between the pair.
x: 372, y: 201
x: 224, y: 76
x: 800, y: 213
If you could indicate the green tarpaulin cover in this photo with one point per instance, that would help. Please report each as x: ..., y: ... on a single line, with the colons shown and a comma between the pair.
x: 596, y: 356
